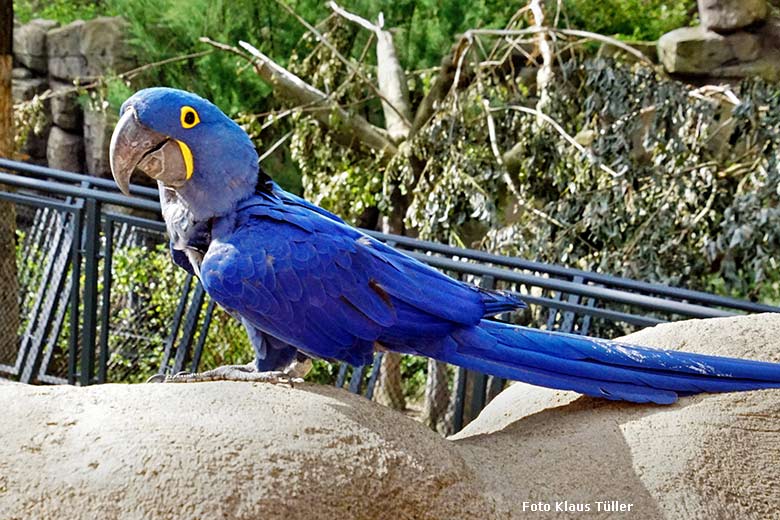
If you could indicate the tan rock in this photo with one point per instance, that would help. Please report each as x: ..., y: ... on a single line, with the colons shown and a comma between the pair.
x: 223, y: 450
x: 65, y: 151
x: 695, y: 50
x: 245, y: 451
x: 706, y: 457
x: 731, y: 15
x: 65, y: 60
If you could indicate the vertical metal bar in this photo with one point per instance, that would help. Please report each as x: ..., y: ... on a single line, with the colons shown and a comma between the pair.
x: 553, y: 312
x: 51, y: 289
x: 460, y: 399
x: 176, y: 324
x: 75, y: 288
x: 342, y: 376
x: 476, y: 382
x: 586, y: 319
x: 188, y: 334
x: 372, y: 379
x: 105, y: 303
x: 494, y: 387
x: 204, y: 332
x: 356, y: 379
x: 89, y: 330
x: 569, y: 316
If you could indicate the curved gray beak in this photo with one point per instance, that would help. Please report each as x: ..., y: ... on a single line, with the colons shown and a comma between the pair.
x: 134, y: 146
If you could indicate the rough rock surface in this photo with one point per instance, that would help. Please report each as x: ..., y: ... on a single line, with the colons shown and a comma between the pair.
x: 65, y: 151
x: 98, y: 126
x: 706, y: 457
x: 86, y: 49
x: 223, y: 450
x: 65, y: 108
x: 239, y: 450
x: 104, y: 47
x: 65, y: 58
x: 25, y: 89
x: 30, y: 44
x: 730, y: 15
x: 695, y: 50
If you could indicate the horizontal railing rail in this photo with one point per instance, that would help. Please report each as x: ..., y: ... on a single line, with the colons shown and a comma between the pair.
x: 76, y: 295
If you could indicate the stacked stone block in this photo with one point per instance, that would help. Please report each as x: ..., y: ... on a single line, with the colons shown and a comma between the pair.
x: 736, y: 39
x: 50, y: 57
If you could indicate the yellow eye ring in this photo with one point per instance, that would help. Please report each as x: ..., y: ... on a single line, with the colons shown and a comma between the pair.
x: 189, y: 117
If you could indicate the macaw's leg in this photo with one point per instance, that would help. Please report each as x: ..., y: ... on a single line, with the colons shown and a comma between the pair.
x: 275, y: 362
x: 248, y: 372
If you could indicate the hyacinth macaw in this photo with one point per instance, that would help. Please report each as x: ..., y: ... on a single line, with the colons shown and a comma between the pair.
x: 305, y: 284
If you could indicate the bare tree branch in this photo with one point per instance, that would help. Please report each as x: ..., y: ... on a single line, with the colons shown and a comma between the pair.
x: 346, y: 127
x: 544, y: 75
x: 390, y: 76
x: 317, y: 34
x: 509, y: 157
x: 441, y: 85
x: 568, y: 32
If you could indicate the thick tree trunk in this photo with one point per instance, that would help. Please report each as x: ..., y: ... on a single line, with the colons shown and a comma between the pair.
x: 437, y: 397
x: 389, y: 390
x: 9, y: 287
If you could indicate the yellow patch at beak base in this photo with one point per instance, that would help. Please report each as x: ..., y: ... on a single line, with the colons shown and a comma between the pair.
x: 186, y: 154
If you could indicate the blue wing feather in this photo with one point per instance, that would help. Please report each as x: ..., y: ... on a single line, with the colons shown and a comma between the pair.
x: 300, y: 275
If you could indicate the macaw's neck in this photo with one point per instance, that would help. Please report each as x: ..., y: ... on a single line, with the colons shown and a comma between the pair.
x: 221, y: 180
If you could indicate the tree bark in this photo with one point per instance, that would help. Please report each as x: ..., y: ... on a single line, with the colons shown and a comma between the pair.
x: 9, y: 286
x: 392, y: 84
x: 437, y: 397
x: 389, y: 387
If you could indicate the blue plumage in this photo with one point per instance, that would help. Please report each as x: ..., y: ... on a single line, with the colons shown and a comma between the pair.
x: 300, y: 278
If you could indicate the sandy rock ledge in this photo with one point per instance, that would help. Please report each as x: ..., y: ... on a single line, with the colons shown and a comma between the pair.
x: 246, y: 451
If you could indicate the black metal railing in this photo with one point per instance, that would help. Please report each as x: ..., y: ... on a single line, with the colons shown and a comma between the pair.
x: 74, y: 321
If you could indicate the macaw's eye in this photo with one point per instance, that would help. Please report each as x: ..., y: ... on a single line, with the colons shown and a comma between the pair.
x: 189, y: 117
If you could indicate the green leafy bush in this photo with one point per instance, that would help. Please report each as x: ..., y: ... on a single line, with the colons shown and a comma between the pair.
x: 643, y: 20
x: 63, y: 11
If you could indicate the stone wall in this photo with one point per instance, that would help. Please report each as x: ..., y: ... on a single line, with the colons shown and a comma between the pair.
x: 736, y: 39
x: 56, y: 58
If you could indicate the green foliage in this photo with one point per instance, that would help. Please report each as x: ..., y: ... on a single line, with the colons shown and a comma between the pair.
x: 694, y: 205
x: 643, y: 20
x: 63, y: 11
x: 414, y: 373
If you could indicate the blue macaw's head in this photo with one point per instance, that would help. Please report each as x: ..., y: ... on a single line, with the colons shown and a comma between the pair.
x: 188, y: 145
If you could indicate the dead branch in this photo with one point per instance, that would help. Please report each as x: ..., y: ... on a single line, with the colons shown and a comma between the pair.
x: 390, y: 76
x: 567, y: 32
x: 544, y: 75
x: 347, y: 128
x: 511, y: 157
x: 441, y: 85
x: 317, y: 34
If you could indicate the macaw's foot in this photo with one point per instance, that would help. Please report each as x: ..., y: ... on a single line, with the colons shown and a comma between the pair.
x: 230, y: 373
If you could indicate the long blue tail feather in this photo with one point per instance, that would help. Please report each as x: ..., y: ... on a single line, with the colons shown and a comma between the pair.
x: 598, y: 367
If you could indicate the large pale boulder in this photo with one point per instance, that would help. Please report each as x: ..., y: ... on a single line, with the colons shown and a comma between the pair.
x: 65, y: 60
x: 706, y: 457
x: 65, y: 151
x: 30, y: 44
x: 695, y: 50
x: 224, y: 450
x: 245, y: 451
x: 730, y: 15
